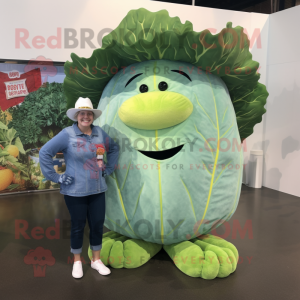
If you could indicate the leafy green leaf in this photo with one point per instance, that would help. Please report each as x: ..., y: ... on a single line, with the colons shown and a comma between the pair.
x: 143, y: 35
x: 15, y: 171
x: 11, y: 134
x: 3, y: 126
x: 44, y: 139
x: 19, y: 145
x: 3, y: 153
x: 15, y: 162
x: 13, y: 186
x: 3, y: 136
x: 39, y: 112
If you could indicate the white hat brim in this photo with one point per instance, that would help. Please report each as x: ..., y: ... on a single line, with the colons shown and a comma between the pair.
x: 72, y: 111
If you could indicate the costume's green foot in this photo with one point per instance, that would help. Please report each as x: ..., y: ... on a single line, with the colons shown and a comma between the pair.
x: 120, y: 251
x: 207, y: 257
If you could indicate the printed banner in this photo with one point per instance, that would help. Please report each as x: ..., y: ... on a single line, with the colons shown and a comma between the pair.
x: 25, y: 129
x: 8, y: 97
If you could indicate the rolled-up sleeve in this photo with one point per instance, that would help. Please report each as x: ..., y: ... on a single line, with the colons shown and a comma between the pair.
x: 112, y: 153
x: 48, y: 151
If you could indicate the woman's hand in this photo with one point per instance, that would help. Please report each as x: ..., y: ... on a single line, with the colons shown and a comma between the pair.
x: 100, y: 163
x: 65, y: 179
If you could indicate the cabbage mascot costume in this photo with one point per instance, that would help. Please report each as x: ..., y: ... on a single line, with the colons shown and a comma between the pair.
x: 179, y: 103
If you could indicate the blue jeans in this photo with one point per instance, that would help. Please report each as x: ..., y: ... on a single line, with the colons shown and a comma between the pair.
x: 91, y: 207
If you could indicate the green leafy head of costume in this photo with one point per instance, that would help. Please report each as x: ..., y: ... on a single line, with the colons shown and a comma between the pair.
x: 178, y: 102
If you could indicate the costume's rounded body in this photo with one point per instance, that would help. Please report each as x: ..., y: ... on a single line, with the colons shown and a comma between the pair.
x: 198, y: 185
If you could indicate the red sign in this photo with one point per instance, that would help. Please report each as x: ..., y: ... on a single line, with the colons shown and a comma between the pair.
x: 16, y: 88
x: 13, y: 92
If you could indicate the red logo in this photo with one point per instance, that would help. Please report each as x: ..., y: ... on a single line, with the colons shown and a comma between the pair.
x: 44, y: 64
x: 39, y: 258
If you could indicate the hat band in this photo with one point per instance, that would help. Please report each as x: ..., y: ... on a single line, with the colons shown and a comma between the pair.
x: 85, y: 107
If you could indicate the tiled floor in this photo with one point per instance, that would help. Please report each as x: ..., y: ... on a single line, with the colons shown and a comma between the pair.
x: 268, y: 269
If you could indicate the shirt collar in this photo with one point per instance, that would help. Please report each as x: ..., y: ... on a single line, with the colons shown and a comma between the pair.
x: 79, y: 132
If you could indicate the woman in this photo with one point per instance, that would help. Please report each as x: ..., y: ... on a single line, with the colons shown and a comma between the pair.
x: 83, y: 184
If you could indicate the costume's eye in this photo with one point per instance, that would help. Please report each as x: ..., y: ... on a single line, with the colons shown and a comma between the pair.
x: 143, y: 88
x: 162, y: 86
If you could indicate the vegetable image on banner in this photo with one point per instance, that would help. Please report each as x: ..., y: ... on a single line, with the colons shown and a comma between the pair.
x: 24, y: 129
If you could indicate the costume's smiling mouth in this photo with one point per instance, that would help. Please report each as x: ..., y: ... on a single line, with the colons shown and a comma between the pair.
x: 161, y: 155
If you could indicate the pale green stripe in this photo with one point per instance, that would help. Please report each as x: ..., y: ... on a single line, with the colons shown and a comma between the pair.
x: 118, y: 225
x: 138, y: 200
x: 222, y: 172
x: 206, y: 167
x: 122, y: 204
x: 227, y: 130
x: 205, y: 111
x: 116, y: 113
x: 212, y: 153
x: 126, y: 176
x: 110, y: 176
x: 224, y: 114
x: 191, y: 201
x: 175, y: 227
x: 114, y: 118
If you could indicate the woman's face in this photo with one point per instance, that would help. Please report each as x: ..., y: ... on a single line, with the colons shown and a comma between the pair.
x: 85, y: 118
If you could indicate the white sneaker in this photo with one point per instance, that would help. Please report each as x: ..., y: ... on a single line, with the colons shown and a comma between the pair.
x: 77, y: 269
x: 100, y: 267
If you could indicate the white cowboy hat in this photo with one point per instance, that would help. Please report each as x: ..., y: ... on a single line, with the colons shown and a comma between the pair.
x: 83, y: 104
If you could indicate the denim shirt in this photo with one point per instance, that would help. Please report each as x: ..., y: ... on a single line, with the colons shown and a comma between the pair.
x: 81, y: 160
